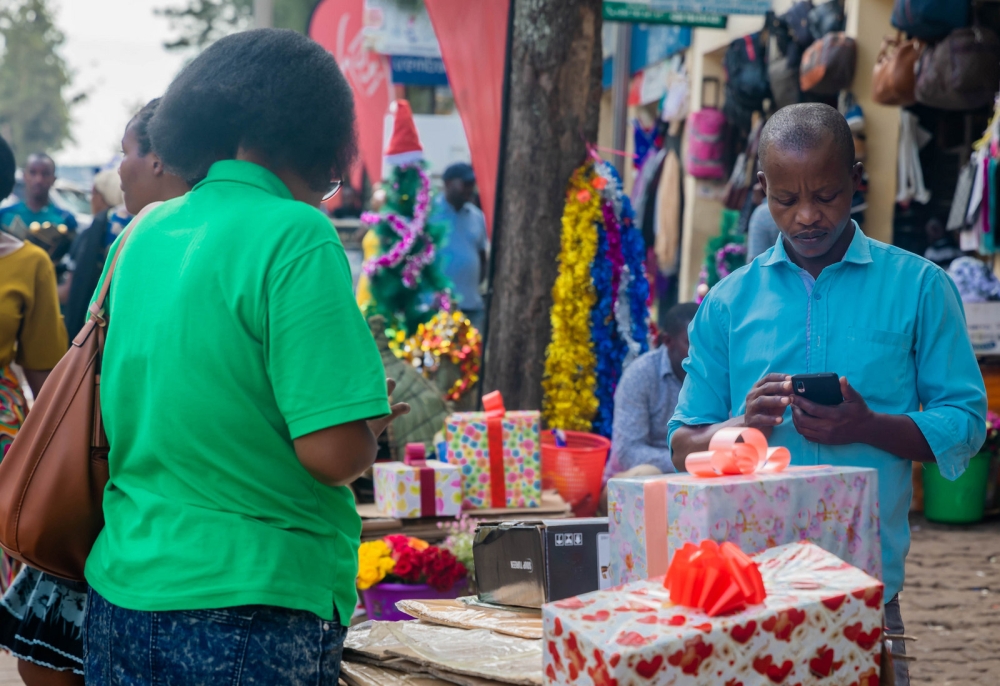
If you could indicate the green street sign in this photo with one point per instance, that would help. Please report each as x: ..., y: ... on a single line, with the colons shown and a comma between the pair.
x: 644, y: 13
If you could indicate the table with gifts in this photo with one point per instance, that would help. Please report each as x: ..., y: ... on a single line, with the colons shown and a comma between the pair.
x: 683, y: 552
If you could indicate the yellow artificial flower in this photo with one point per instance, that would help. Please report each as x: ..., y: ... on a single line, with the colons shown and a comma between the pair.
x: 374, y: 563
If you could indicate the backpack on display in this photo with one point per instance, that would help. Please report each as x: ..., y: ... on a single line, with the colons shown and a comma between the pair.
x: 747, y: 83
x: 930, y: 18
x: 792, y: 32
x: 705, y: 144
x: 894, y: 78
x: 828, y: 65
x: 962, y: 72
x: 826, y: 18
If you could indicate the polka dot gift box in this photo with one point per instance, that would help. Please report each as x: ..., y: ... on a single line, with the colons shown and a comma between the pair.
x: 820, y: 623
x: 499, y: 455
x: 417, y: 487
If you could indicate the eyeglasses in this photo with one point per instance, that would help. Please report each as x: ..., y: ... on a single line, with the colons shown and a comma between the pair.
x: 335, y: 187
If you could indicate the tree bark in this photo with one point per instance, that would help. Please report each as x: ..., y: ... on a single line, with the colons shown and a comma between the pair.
x: 553, y: 110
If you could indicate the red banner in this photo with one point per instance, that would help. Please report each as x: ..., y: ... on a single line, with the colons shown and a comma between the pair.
x: 473, y: 40
x: 337, y: 25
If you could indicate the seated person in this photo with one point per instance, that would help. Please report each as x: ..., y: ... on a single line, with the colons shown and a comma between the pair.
x: 645, y: 401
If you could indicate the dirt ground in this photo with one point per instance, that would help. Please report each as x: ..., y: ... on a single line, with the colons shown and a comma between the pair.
x: 951, y: 604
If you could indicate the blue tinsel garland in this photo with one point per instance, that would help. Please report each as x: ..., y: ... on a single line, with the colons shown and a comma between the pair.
x: 609, y: 348
x: 633, y: 250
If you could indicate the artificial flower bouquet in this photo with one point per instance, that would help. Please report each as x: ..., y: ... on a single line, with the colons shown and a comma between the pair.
x: 399, y: 559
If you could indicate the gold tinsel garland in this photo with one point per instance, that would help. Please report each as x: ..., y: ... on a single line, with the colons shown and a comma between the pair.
x: 570, y: 402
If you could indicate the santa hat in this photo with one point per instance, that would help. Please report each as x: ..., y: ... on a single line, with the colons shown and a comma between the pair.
x: 404, y: 146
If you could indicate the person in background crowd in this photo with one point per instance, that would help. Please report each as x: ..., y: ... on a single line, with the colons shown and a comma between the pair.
x: 35, y: 218
x: 463, y: 257
x: 242, y: 391
x: 140, y: 180
x: 941, y: 247
x: 31, y: 334
x: 762, y: 232
x: 86, y: 255
x: 350, y: 204
x: 826, y: 298
x: 646, y: 397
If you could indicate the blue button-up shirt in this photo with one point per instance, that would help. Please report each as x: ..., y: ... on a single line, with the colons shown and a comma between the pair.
x: 888, y: 320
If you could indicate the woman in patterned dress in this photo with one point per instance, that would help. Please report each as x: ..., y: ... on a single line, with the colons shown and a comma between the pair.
x: 41, y: 616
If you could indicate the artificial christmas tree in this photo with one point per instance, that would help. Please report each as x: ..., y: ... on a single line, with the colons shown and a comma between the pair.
x: 407, y: 286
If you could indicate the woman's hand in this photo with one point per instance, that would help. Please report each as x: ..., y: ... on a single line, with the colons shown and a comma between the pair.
x: 380, y: 424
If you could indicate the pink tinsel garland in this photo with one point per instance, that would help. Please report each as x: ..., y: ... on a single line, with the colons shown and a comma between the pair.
x: 409, y: 232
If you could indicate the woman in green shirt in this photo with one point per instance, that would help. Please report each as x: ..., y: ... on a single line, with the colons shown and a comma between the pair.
x: 241, y: 388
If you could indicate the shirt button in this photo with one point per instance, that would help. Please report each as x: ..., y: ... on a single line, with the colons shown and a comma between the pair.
x: 817, y: 296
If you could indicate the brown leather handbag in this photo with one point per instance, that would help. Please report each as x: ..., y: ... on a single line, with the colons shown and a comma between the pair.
x: 961, y: 72
x: 53, y: 476
x: 894, y: 78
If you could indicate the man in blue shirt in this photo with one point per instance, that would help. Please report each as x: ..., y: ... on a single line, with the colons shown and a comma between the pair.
x: 35, y: 218
x: 463, y: 257
x: 826, y: 298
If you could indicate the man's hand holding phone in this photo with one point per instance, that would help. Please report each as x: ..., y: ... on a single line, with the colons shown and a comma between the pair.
x: 767, y: 402
x: 842, y: 424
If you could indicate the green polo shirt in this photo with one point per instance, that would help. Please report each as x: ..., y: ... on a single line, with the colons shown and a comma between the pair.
x: 233, y: 331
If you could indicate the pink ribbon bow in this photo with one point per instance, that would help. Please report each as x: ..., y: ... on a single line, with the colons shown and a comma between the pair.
x: 737, y: 450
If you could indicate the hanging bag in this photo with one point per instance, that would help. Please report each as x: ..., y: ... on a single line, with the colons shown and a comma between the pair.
x: 705, y: 145
x: 894, y: 78
x: 828, y: 65
x: 53, y: 477
x: 962, y: 72
x: 930, y: 18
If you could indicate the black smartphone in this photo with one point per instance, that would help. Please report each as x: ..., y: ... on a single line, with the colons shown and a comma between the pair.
x: 822, y: 389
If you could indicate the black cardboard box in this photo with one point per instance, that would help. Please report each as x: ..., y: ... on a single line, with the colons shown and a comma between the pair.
x: 530, y: 563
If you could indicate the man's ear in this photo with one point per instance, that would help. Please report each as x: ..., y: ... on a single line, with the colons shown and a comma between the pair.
x: 857, y: 171
x: 762, y: 180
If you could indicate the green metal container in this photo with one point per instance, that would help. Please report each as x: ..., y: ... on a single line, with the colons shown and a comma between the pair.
x: 960, y: 501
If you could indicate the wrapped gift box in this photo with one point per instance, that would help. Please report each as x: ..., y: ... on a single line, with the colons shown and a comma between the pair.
x: 834, y: 507
x: 512, y: 478
x: 821, y: 623
x: 417, y: 488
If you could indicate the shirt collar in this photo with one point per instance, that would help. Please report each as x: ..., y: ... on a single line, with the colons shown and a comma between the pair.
x: 858, y: 252
x: 241, y: 171
x: 666, y: 369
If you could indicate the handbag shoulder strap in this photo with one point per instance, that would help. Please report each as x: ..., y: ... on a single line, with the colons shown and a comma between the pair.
x: 97, y: 307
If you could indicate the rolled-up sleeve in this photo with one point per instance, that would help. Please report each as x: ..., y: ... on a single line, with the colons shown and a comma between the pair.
x: 949, y: 383
x: 705, y: 396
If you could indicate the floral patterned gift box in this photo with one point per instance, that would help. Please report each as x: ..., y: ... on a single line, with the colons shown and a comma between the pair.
x: 821, y: 623
x: 417, y: 488
x: 834, y: 507
x: 499, y: 454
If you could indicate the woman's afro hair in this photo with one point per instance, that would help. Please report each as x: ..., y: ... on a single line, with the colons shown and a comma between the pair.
x: 271, y: 91
x: 140, y: 124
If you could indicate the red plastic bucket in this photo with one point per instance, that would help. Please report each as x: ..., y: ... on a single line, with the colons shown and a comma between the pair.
x: 575, y: 470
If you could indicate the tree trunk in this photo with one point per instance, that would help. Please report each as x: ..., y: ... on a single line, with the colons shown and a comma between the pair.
x: 553, y: 109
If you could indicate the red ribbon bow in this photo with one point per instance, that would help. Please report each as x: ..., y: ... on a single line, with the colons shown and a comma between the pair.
x: 416, y: 456
x: 495, y: 411
x: 737, y: 450
x: 715, y: 579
